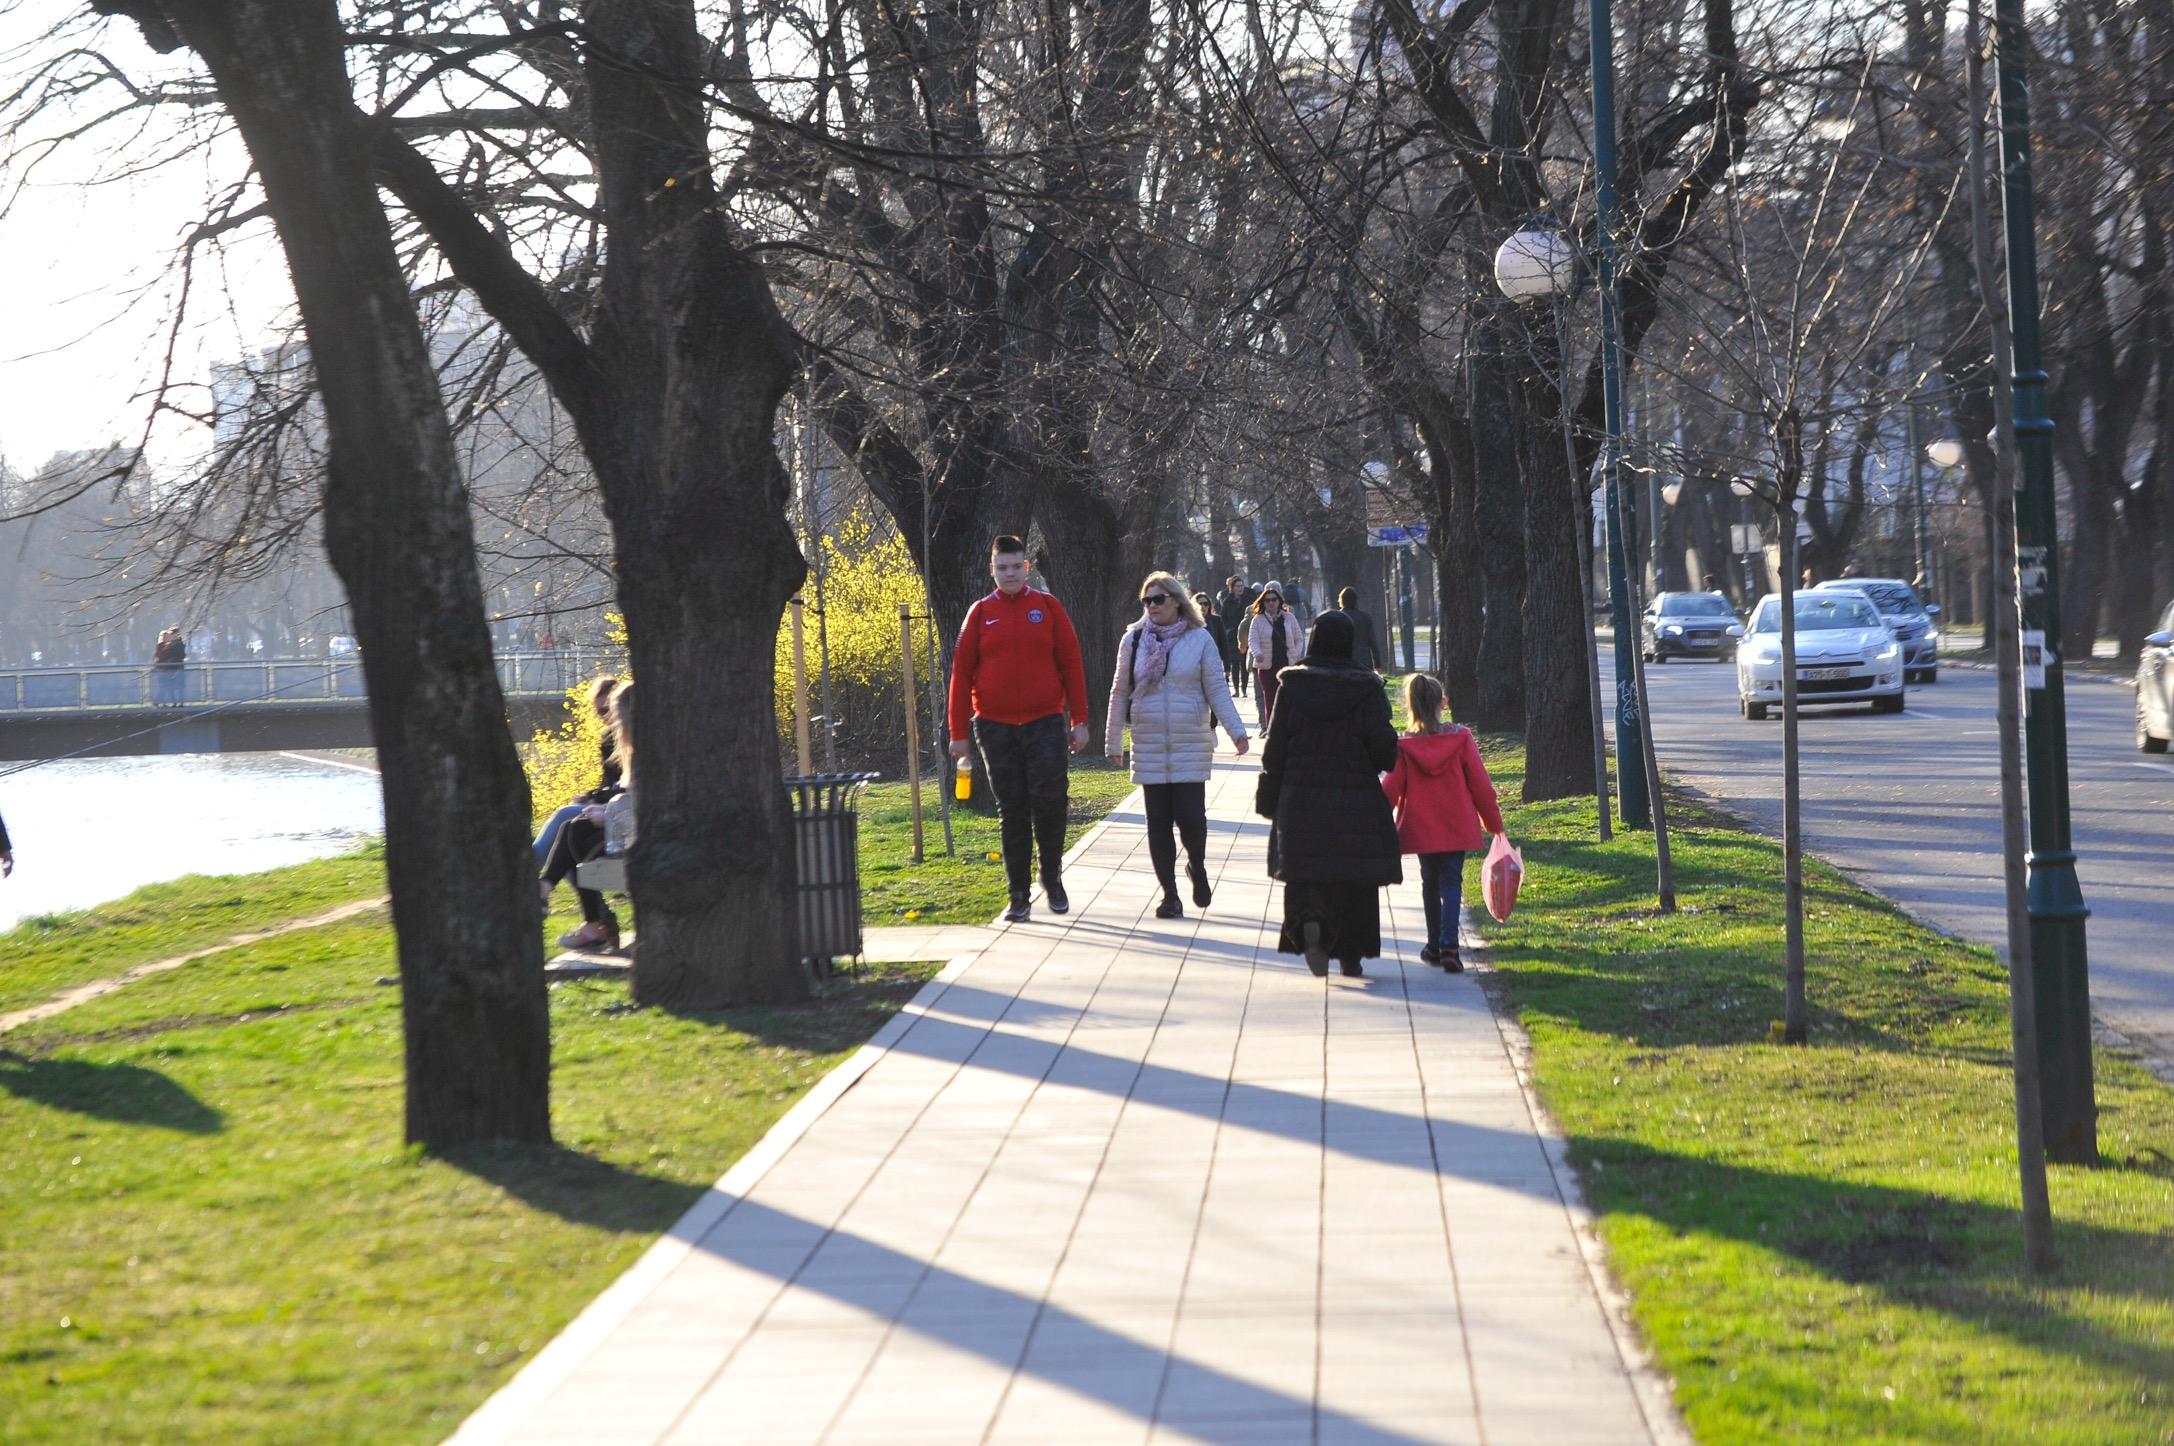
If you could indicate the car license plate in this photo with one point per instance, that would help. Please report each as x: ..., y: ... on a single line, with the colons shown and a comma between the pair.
x: 1813, y: 675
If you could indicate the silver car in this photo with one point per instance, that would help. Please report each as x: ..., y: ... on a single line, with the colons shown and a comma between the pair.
x: 2155, y: 687
x: 1908, y: 617
x: 1845, y: 654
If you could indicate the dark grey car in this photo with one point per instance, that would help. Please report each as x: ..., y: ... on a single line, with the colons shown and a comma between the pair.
x: 1689, y: 625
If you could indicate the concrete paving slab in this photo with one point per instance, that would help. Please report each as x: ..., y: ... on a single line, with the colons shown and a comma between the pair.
x: 1114, y: 1178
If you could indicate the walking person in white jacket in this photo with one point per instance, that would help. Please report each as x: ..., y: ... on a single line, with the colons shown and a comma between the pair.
x: 1169, y: 686
x: 1274, y: 641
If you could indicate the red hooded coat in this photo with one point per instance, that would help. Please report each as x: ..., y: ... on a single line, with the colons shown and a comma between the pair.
x: 1442, y: 792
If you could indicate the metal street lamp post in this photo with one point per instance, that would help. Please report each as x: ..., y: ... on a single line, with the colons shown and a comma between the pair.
x: 2061, y: 986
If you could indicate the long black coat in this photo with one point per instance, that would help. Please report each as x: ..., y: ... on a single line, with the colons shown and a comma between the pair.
x: 1329, y: 742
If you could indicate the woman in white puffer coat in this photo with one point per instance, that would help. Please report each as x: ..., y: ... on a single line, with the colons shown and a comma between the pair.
x: 1169, y: 686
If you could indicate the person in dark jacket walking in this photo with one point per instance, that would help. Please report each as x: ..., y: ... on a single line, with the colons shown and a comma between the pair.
x: 7, y: 851
x: 1333, y: 839
x: 1365, y: 643
x: 1230, y: 608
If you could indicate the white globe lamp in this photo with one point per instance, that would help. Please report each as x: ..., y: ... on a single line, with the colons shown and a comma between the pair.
x: 1535, y: 263
x: 1672, y: 492
x: 1945, y: 452
x: 1740, y: 487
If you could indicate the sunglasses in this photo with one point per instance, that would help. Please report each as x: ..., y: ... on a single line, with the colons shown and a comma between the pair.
x: 1154, y: 600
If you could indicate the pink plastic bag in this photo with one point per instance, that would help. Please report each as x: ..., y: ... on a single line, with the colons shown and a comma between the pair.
x: 1500, y: 877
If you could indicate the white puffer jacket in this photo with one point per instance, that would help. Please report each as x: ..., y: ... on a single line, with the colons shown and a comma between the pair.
x: 1171, y: 739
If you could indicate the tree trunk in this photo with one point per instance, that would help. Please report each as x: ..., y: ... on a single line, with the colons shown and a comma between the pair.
x: 697, y: 359
x: 1499, y: 528
x: 1558, y: 702
x: 1451, y: 489
x: 397, y: 529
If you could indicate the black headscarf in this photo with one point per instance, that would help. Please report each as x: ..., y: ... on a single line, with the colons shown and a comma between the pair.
x: 1331, y: 639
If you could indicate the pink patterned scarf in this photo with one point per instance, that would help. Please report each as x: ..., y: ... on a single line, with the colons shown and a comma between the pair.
x: 1153, y: 657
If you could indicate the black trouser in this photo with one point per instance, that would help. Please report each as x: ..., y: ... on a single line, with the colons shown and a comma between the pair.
x: 1186, y: 805
x: 1235, y: 668
x: 1441, y: 882
x: 578, y: 842
x: 1032, y: 782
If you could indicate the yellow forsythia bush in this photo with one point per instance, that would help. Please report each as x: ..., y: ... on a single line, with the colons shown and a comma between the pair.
x: 867, y: 573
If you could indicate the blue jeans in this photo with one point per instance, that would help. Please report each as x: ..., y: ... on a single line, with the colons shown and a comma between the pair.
x: 1441, y: 885
x: 552, y: 825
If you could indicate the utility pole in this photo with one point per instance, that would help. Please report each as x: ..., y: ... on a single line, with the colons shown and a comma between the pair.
x: 2061, y: 986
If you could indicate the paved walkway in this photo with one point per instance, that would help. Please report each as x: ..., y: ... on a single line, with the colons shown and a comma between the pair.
x: 1115, y: 1178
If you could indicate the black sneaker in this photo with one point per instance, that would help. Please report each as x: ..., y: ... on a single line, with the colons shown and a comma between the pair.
x: 1450, y: 962
x: 1018, y: 913
x: 1430, y: 955
x: 1170, y: 908
x: 1202, y: 894
x: 1053, y: 895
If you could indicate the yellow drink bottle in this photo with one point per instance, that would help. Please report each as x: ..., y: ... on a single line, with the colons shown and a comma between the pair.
x: 962, y: 779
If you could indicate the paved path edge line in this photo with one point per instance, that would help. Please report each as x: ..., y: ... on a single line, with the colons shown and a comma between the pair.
x: 84, y: 993
x: 1653, y: 1389
x: 507, y: 1407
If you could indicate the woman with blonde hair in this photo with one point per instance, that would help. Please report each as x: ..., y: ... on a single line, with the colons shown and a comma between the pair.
x: 607, y: 782
x: 600, y: 828
x: 1169, y: 687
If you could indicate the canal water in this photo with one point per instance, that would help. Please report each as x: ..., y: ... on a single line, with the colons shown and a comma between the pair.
x: 92, y: 829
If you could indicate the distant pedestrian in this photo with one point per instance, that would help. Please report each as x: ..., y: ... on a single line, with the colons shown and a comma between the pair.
x: 1273, y: 643
x: 1332, y: 839
x: 1015, y: 676
x: 168, y: 656
x: 1217, y: 633
x: 1231, y: 606
x: 1443, y: 797
x: 7, y: 851
x: 1168, y: 685
x: 1366, y: 643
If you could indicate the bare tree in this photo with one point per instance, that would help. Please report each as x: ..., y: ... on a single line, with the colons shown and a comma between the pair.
x: 397, y: 526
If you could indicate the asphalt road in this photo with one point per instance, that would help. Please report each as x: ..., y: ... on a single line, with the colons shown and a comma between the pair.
x: 1910, y: 805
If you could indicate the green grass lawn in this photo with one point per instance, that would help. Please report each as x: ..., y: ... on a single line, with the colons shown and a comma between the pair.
x: 210, y: 1230
x: 1823, y: 1243
x: 47, y: 953
x: 968, y: 887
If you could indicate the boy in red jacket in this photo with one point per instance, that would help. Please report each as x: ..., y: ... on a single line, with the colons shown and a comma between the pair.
x: 1442, y: 795
x: 1015, y: 676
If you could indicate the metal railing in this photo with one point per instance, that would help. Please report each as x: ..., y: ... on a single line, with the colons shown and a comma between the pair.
x: 284, y: 681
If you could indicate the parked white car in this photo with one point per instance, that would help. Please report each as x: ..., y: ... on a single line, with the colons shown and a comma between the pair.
x: 2155, y: 687
x: 1845, y: 654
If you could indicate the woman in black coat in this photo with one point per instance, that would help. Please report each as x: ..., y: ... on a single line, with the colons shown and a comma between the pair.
x: 1333, y: 841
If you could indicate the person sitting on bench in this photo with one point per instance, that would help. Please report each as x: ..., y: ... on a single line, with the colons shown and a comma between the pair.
x: 600, y: 828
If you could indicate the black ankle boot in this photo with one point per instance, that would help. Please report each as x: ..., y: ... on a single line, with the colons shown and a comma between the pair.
x: 1317, y: 958
x: 1018, y: 913
x: 1053, y: 895
x: 1169, y: 908
x: 1202, y: 895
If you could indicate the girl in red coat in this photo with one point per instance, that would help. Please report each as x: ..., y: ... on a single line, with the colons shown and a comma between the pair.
x: 1442, y: 795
